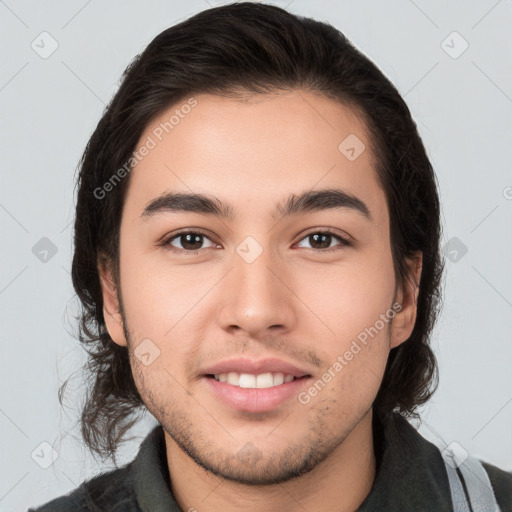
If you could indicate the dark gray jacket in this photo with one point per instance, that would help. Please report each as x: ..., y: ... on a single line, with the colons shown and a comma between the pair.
x: 411, y: 476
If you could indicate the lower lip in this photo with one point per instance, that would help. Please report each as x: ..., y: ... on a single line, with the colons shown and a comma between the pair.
x: 256, y: 399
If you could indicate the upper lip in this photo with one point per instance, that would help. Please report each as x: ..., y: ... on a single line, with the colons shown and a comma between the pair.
x: 244, y: 365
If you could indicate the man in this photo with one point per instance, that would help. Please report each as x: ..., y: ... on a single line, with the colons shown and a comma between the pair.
x: 257, y: 255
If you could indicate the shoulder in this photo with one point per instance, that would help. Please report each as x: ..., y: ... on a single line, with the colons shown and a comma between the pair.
x: 110, y: 491
x: 501, y: 482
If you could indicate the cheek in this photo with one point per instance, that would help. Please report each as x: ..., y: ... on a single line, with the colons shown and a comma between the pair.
x: 350, y: 299
x: 347, y: 296
x: 158, y: 294
x: 162, y: 303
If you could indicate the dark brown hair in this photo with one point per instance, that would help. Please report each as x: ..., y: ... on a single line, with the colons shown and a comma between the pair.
x: 235, y: 50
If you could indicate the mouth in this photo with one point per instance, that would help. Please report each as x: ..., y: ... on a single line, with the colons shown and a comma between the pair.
x: 255, y: 393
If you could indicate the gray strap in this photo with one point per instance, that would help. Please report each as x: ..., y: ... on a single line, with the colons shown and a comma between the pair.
x: 477, y: 483
x: 479, y: 486
x: 459, y: 501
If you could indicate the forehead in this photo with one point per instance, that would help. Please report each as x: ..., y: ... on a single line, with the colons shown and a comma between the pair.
x: 254, y: 153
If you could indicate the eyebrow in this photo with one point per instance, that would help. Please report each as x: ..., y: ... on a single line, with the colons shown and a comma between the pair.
x: 309, y: 201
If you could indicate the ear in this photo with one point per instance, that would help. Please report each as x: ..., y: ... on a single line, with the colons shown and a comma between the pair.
x: 111, y: 310
x: 407, y: 296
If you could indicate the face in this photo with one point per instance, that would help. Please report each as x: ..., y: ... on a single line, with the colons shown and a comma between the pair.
x: 310, y: 285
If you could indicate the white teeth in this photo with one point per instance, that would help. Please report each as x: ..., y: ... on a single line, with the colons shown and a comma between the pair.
x: 248, y: 380
x: 264, y: 380
x: 233, y: 378
x: 278, y: 379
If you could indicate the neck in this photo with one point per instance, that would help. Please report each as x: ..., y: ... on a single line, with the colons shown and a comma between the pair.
x: 341, y: 482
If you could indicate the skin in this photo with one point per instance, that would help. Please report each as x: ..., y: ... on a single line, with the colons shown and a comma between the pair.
x: 293, y: 302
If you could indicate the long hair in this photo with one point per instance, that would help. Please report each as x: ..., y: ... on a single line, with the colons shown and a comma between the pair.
x: 235, y: 51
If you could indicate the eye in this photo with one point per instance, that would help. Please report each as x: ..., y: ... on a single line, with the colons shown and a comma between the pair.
x: 190, y: 242
x: 324, y: 239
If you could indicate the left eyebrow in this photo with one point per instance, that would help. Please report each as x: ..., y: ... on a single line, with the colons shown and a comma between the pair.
x: 309, y: 201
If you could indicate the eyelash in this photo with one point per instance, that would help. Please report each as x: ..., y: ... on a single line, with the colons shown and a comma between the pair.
x: 166, y: 242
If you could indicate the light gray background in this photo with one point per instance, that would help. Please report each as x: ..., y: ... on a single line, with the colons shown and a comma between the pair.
x: 49, y: 108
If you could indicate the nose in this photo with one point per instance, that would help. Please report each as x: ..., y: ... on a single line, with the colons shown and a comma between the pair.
x: 257, y: 296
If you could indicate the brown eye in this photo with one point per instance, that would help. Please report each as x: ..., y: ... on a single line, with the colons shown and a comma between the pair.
x: 322, y: 240
x: 188, y: 241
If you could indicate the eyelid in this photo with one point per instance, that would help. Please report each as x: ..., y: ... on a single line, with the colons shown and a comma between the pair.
x: 345, y: 240
x: 166, y: 242
x: 329, y: 231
